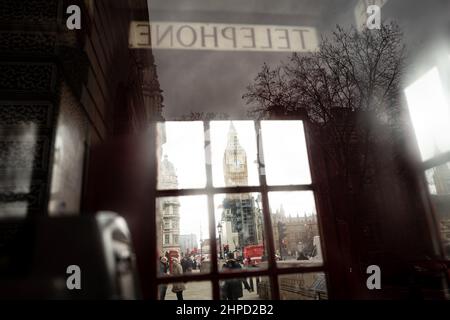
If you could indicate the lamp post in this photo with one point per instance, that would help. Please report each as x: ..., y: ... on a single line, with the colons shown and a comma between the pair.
x: 219, y: 228
x: 201, y: 248
x: 260, y: 224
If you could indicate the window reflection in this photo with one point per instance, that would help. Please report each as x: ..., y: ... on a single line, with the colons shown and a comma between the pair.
x: 438, y: 179
x: 429, y: 114
x: 295, y: 229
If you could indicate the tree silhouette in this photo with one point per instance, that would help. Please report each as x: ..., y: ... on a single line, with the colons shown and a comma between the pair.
x: 347, y: 88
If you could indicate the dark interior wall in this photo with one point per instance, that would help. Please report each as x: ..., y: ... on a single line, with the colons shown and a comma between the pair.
x: 29, y: 88
x: 121, y: 171
x: 382, y: 222
x: 390, y: 224
x: 58, y: 92
x: 66, y: 94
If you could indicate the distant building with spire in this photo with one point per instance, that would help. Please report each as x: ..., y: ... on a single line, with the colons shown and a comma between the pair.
x: 234, y: 161
x: 300, y: 231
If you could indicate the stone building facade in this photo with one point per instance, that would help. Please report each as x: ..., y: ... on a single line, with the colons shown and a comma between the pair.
x: 169, y: 215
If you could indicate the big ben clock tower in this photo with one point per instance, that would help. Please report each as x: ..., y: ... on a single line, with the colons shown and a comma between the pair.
x: 234, y: 161
x: 239, y: 209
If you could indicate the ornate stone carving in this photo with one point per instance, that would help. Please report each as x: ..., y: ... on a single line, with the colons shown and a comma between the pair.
x: 20, y: 114
x: 31, y: 11
x: 42, y: 43
x: 27, y: 77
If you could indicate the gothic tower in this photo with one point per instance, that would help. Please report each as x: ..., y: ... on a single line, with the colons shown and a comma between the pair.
x: 234, y: 161
x: 238, y: 208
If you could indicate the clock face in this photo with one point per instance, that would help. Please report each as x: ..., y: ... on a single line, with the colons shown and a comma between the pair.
x: 235, y: 160
x: 234, y: 164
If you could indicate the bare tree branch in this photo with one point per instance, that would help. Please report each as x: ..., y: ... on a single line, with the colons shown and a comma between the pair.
x: 352, y: 72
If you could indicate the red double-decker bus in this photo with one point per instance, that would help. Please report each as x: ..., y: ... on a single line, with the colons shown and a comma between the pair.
x: 254, y: 252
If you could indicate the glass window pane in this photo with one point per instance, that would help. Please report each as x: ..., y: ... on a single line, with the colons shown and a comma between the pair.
x: 438, y: 179
x: 251, y: 288
x: 233, y: 149
x: 181, y: 155
x: 303, y: 286
x: 430, y: 114
x: 183, y: 232
x: 295, y: 229
x: 263, y: 288
x: 240, y: 232
x: 285, y: 154
x: 194, y: 290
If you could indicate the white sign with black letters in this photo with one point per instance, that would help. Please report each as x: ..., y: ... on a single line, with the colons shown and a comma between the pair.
x: 215, y: 36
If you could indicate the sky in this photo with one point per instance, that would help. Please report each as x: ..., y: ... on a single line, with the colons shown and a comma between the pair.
x: 285, y: 157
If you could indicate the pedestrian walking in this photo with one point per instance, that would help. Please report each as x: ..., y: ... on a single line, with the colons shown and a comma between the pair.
x: 232, y: 288
x: 163, y: 271
x: 177, y: 270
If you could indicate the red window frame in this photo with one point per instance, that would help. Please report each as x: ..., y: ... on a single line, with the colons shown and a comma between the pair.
x: 272, y: 272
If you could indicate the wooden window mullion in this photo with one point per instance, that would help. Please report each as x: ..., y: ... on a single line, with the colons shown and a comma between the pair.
x: 272, y: 267
x: 211, y: 213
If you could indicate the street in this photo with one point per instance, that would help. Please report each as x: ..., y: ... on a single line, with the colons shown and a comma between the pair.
x: 203, y: 291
